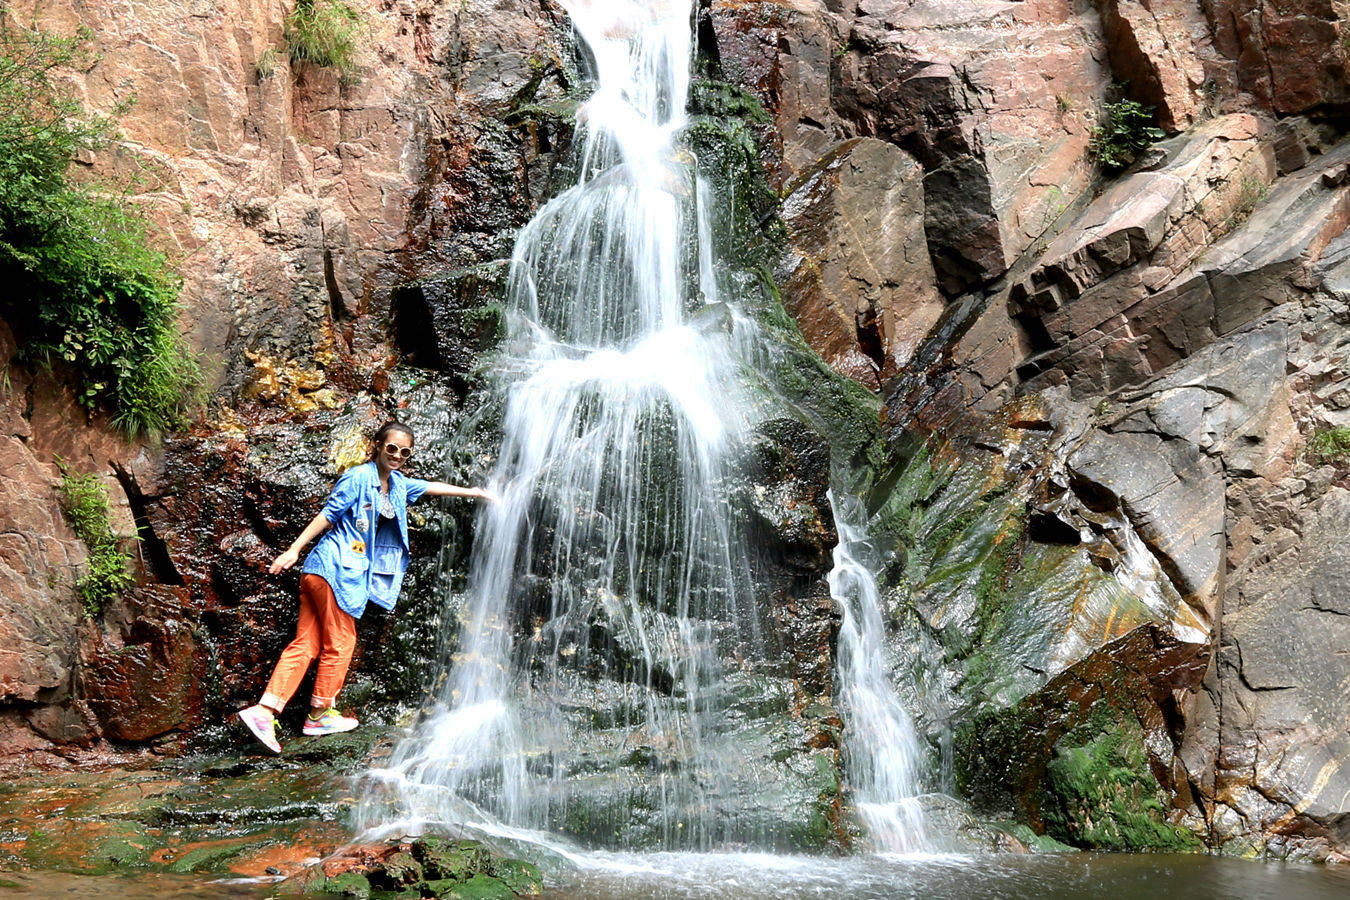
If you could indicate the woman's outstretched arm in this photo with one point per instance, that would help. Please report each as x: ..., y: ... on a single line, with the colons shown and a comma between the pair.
x: 317, y: 526
x: 443, y: 489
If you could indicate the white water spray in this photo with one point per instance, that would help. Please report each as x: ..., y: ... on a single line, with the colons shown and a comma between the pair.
x: 881, y: 750
x: 611, y: 610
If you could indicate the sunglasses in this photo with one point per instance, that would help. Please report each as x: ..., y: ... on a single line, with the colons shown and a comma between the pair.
x: 395, y: 450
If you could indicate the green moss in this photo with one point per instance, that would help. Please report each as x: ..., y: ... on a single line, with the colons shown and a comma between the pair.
x: 479, y: 887
x: 348, y: 884
x: 205, y: 859
x: 86, y: 507
x: 724, y: 135
x: 1103, y: 796
x: 520, y: 876
x: 991, y: 586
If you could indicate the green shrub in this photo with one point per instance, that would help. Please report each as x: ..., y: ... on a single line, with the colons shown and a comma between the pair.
x: 83, y: 283
x: 324, y: 33
x: 85, y: 504
x: 1126, y: 128
x: 1330, y: 444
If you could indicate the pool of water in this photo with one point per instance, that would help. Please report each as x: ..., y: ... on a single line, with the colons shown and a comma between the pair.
x: 741, y: 876
x: 1072, y: 875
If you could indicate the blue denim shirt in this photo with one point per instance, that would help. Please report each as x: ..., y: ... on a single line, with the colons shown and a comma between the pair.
x: 361, y: 561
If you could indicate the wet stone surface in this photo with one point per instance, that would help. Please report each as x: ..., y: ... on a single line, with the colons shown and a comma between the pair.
x: 279, y: 825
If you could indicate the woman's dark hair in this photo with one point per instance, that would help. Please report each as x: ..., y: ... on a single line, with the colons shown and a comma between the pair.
x: 389, y: 428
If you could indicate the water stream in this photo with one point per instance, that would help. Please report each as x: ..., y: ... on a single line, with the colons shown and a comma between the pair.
x: 881, y: 750
x: 613, y: 635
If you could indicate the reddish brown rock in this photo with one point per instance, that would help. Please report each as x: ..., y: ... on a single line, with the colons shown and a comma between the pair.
x: 1290, y: 55
x: 995, y: 100
x: 144, y: 677
x: 858, y: 278
x: 1158, y: 49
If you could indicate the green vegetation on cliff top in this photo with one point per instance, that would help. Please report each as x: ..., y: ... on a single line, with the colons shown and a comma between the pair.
x: 86, y: 288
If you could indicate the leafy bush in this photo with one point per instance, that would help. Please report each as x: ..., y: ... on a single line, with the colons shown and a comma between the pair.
x: 324, y: 33
x: 85, y: 505
x: 84, y: 284
x: 1330, y: 444
x: 1126, y: 128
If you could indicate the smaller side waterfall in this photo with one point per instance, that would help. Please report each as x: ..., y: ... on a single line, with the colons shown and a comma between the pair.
x: 881, y: 750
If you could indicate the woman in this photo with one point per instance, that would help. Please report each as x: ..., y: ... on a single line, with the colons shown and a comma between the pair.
x: 361, y: 558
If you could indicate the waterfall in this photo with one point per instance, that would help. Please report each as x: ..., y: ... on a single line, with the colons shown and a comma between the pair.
x: 881, y: 751
x: 611, y: 627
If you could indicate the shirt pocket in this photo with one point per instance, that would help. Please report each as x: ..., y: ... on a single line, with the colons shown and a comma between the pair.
x: 385, y: 566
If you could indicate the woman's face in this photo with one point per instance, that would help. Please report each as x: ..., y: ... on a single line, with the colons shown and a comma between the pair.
x: 394, y: 450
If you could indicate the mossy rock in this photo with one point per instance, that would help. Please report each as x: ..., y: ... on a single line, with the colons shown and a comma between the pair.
x: 479, y: 887
x: 348, y: 884
x: 88, y: 848
x: 398, y: 871
x: 444, y: 860
x: 206, y: 859
x: 520, y: 876
x: 1103, y: 796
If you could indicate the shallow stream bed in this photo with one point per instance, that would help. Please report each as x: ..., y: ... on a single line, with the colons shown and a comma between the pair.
x: 763, y: 876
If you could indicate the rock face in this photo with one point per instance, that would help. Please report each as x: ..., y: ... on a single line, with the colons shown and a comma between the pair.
x: 858, y: 278
x: 1205, y: 336
x: 995, y: 100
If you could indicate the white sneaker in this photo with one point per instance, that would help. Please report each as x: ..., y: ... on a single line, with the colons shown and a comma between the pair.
x: 330, y: 721
x: 263, y: 724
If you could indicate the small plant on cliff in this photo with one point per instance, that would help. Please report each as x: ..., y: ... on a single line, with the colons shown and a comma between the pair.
x: 85, y: 504
x: 266, y: 66
x: 324, y: 33
x: 1125, y: 129
x: 85, y: 287
x: 1330, y: 445
x: 1253, y: 193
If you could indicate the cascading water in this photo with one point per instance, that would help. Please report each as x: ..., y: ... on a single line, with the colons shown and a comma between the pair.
x: 611, y: 607
x: 882, y: 755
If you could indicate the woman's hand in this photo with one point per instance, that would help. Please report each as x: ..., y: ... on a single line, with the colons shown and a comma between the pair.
x: 284, y: 561
x: 481, y: 494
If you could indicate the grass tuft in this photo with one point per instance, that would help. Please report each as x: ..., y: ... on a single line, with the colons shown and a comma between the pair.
x: 324, y: 33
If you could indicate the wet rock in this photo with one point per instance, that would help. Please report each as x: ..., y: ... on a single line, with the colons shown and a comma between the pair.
x: 1088, y: 756
x: 444, y: 324
x: 144, y: 680
x: 172, y: 819
x: 858, y: 278
x: 1279, y: 745
x: 426, y: 867
x: 1172, y: 495
x: 788, y: 495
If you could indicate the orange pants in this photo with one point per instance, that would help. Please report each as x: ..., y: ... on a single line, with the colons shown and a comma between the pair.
x: 324, y: 631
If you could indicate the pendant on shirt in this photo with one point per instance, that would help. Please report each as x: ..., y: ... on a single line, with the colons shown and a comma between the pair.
x: 359, y: 546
